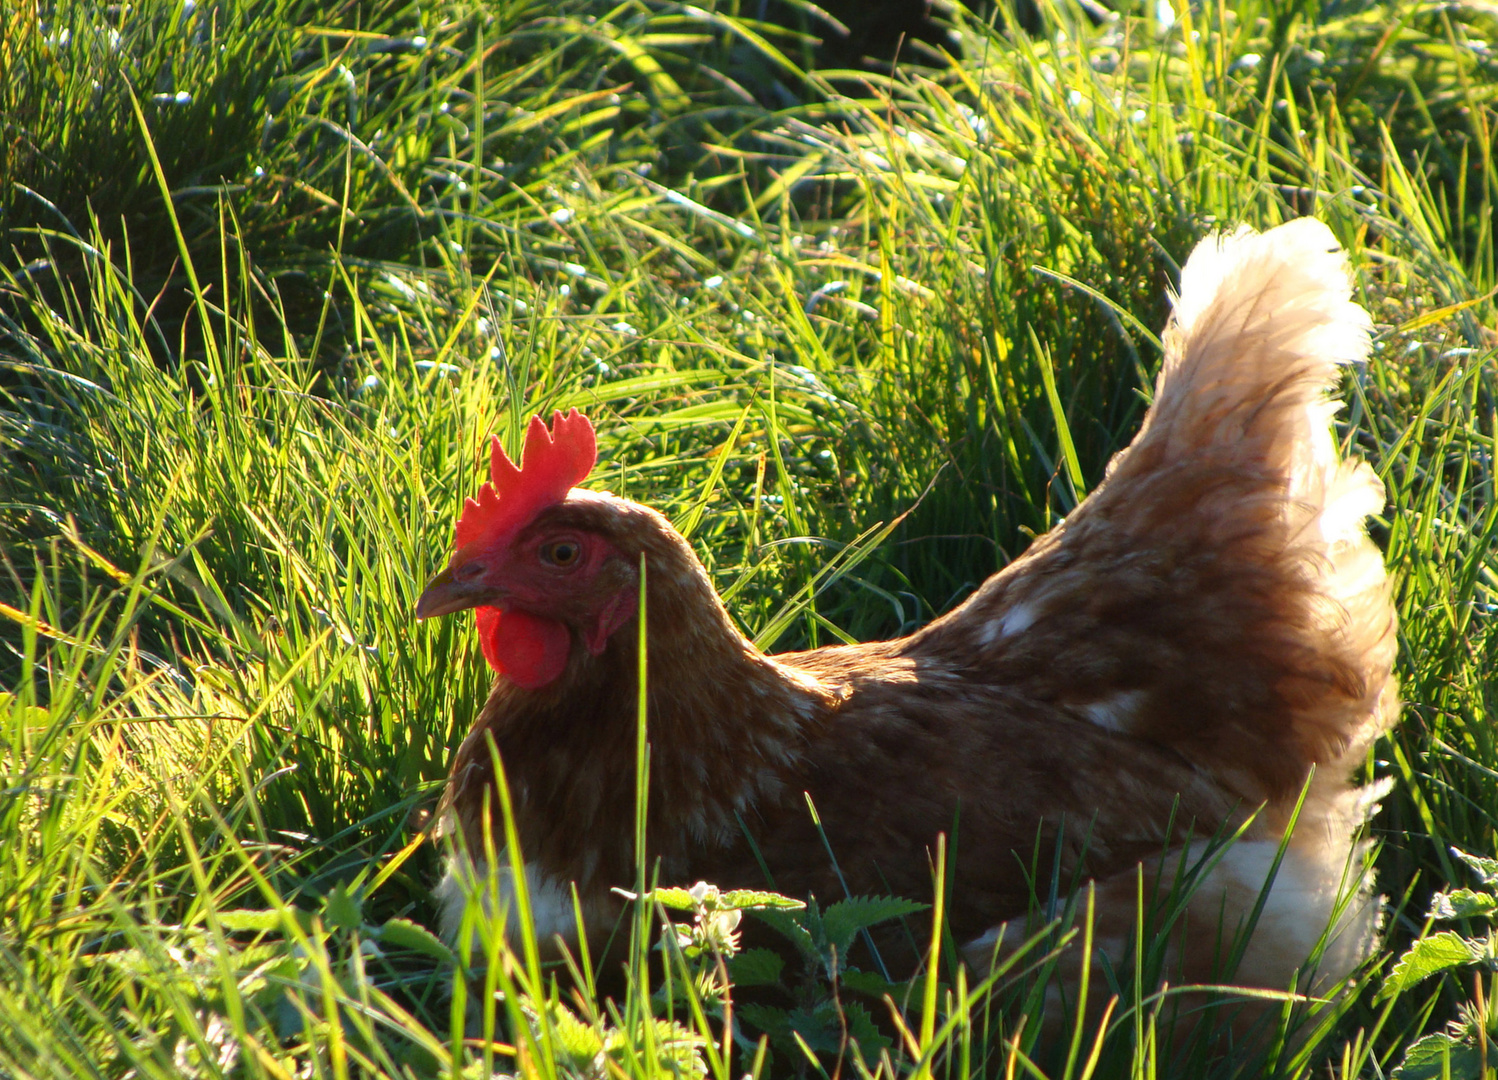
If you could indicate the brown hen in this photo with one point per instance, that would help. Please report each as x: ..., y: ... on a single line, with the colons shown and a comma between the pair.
x: 1207, y: 636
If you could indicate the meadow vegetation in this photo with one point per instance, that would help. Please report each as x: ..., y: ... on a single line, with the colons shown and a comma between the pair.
x: 273, y: 270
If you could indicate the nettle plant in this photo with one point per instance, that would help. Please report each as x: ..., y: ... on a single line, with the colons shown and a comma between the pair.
x: 1466, y: 1048
x: 801, y: 1011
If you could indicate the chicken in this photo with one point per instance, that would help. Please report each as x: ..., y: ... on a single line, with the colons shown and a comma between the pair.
x: 1203, y: 644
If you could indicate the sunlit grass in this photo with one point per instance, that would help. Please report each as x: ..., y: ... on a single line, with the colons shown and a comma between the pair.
x: 238, y: 423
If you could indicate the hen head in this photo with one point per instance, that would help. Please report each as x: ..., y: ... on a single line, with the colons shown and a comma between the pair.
x: 541, y: 561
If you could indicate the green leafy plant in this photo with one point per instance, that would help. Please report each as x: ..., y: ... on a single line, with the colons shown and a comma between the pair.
x: 1465, y: 1050
x: 821, y: 1017
x: 708, y: 948
x: 811, y: 1016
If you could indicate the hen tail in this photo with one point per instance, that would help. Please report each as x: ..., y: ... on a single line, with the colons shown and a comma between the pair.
x: 1217, y: 593
x: 1241, y: 427
x: 1261, y: 325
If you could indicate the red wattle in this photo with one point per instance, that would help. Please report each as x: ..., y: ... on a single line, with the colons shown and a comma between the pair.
x: 530, y: 649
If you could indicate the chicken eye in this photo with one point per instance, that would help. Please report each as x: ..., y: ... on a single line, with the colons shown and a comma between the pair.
x: 561, y: 553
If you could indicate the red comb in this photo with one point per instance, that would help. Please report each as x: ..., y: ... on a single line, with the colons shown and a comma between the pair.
x: 554, y: 462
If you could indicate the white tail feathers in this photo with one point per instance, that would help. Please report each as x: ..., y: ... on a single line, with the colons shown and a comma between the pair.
x: 1263, y: 320
x: 1296, y: 271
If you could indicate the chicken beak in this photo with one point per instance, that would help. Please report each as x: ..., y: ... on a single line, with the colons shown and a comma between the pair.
x: 445, y: 594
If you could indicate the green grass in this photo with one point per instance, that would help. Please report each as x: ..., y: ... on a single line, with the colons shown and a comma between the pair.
x: 253, y: 342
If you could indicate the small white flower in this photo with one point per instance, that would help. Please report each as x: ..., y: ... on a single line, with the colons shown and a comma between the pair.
x: 718, y: 930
